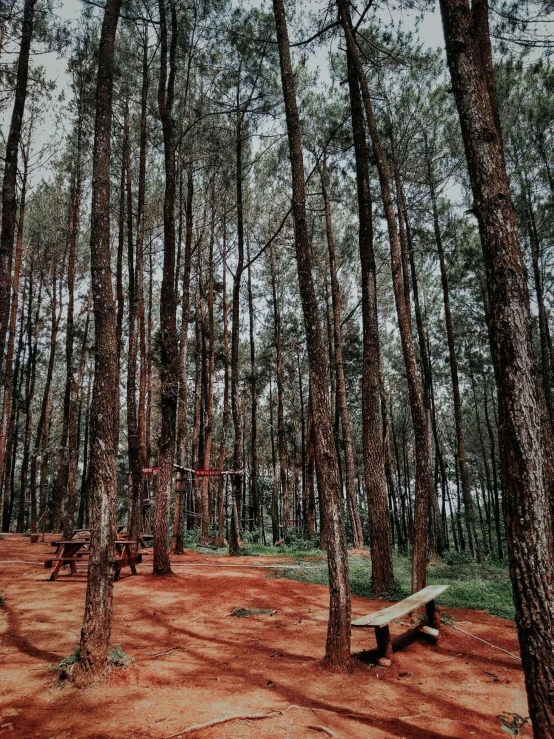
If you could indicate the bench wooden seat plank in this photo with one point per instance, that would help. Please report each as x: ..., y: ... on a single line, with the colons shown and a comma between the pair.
x: 380, y: 620
x: 403, y: 607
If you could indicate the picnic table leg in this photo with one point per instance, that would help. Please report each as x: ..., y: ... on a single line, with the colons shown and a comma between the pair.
x: 433, y: 615
x: 55, y: 571
x: 384, y: 644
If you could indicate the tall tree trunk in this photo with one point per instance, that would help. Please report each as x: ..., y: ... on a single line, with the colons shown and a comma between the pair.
x: 168, y: 343
x: 225, y: 419
x: 69, y: 437
x: 349, y: 458
x: 547, y: 348
x: 474, y: 544
x: 337, y: 653
x: 253, y: 403
x: 182, y: 435
x: 417, y: 407
x: 8, y: 376
x: 380, y: 533
x: 210, y: 367
x: 279, y: 376
x: 41, y: 434
x: 133, y: 438
x: 29, y: 390
x: 525, y: 438
x: 97, y: 621
x: 137, y: 516
x: 9, y: 183
x: 234, y: 534
x: 435, y: 538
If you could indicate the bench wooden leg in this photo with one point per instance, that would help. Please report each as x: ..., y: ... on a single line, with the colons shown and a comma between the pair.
x: 433, y: 615
x: 384, y: 644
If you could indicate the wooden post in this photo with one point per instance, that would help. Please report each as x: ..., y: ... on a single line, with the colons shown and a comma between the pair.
x: 433, y: 615
x: 384, y: 644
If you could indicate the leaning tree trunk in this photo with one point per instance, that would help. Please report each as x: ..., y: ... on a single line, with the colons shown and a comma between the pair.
x: 417, y: 407
x: 337, y: 654
x: 525, y: 436
x: 9, y: 183
x: 372, y: 432
x: 168, y: 343
x: 97, y: 621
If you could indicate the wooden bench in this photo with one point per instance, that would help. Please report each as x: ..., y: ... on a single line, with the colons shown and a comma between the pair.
x: 380, y: 620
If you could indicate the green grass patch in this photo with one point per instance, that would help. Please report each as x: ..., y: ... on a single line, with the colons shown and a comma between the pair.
x: 118, y: 658
x: 484, y: 586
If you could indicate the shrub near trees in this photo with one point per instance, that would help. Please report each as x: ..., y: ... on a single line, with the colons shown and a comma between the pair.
x: 315, y: 282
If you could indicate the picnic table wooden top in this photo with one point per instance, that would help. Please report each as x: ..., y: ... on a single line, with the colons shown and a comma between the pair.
x: 397, y: 610
x: 82, y: 542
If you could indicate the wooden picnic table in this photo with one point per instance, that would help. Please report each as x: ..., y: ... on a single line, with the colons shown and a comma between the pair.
x: 73, y: 551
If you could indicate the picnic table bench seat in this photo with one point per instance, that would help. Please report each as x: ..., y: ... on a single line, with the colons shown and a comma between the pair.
x: 73, y: 551
x: 380, y: 620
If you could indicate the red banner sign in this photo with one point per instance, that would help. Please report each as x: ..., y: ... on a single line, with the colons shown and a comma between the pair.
x: 150, y: 470
x: 207, y: 473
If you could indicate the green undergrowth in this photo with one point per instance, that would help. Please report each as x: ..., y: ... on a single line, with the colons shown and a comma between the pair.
x: 484, y: 586
x: 258, y: 550
x: 116, y: 658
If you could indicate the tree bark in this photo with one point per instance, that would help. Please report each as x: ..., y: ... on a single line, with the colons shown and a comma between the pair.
x: 234, y: 534
x: 525, y: 437
x: 167, y: 343
x: 279, y: 377
x: 97, y: 621
x: 337, y: 653
x: 253, y: 404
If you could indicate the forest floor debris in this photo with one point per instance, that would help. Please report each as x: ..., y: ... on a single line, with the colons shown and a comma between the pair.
x: 218, y: 667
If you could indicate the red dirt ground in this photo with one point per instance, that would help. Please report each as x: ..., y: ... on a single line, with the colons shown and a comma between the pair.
x: 221, y: 665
